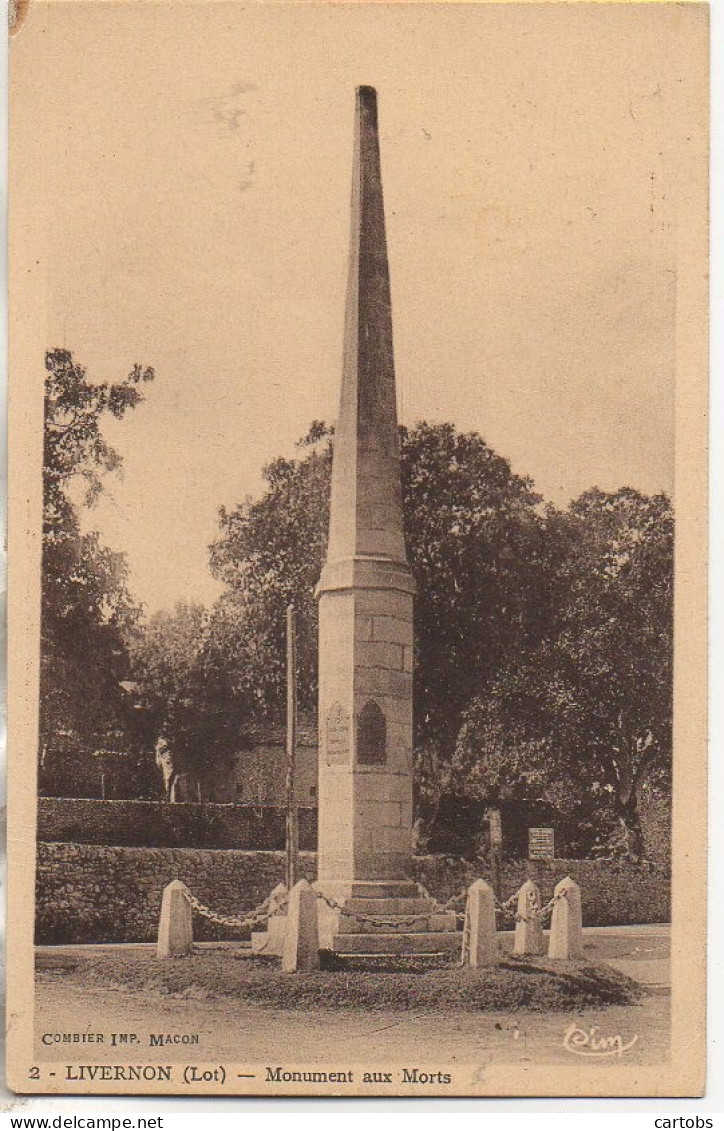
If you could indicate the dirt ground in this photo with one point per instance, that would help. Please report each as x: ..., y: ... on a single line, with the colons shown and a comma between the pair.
x: 256, y: 1035
x: 232, y: 1030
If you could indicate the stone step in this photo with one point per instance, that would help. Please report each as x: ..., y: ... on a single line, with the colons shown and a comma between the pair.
x: 428, y: 942
x: 417, y: 906
x: 369, y: 889
x: 423, y: 924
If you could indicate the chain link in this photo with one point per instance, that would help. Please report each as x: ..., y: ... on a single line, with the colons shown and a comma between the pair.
x: 546, y: 911
x: 540, y: 914
x: 256, y: 918
x: 400, y: 921
x: 506, y: 908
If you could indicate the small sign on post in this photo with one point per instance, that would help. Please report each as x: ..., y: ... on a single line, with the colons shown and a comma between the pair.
x: 495, y: 830
x: 496, y: 827
x: 541, y: 844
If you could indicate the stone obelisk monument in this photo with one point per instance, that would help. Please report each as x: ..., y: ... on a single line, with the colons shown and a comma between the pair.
x: 365, y: 596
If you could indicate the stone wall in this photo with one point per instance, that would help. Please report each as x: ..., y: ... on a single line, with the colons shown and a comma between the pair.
x: 158, y: 824
x: 612, y: 892
x: 94, y: 893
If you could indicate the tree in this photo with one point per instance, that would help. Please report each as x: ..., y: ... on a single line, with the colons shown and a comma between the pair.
x: 474, y: 533
x: 86, y: 610
x: 522, y: 746
x: 585, y: 718
x: 194, y: 712
x: 269, y: 553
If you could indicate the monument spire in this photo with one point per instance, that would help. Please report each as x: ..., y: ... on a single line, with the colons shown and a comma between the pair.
x: 366, y: 506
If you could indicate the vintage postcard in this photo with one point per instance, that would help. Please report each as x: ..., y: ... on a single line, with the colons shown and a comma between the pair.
x: 358, y: 548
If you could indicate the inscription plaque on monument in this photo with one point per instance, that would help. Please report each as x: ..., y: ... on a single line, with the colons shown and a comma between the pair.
x: 541, y: 844
x: 338, y: 743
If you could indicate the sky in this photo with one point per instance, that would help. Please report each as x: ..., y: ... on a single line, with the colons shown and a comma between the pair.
x: 189, y: 172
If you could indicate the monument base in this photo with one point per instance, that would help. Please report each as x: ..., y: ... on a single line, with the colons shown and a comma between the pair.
x: 409, y: 943
x: 372, y: 917
x: 383, y: 917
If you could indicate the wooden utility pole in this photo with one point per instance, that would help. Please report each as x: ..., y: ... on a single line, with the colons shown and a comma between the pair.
x: 292, y: 825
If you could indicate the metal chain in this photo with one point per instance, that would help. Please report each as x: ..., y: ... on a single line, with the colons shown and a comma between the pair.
x: 376, y: 920
x: 256, y: 918
x: 271, y: 906
x: 548, y: 908
x: 505, y: 908
x: 539, y: 914
x: 452, y: 903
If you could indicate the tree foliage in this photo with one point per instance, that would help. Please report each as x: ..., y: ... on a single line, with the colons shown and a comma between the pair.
x: 86, y: 611
x: 584, y: 720
x: 474, y: 532
x: 269, y: 553
x: 543, y: 637
x: 475, y: 538
x: 191, y: 704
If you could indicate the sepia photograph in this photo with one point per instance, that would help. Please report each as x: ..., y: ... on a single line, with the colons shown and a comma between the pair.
x: 358, y: 379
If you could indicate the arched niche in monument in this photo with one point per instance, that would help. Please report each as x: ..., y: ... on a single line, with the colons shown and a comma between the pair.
x: 371, y: 735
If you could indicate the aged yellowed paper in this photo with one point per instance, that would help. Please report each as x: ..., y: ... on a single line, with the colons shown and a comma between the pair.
x: 357, y: 548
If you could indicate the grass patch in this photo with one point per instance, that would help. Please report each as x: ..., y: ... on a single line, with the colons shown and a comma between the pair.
x: 390, y: 984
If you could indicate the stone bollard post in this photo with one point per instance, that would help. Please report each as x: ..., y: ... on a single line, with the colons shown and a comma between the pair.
x: 566, y: 937
x: 528, y: 929
x: 278, y: 899
x: 175, y: 928
x: 480, y: 944
x: 301, y: 940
